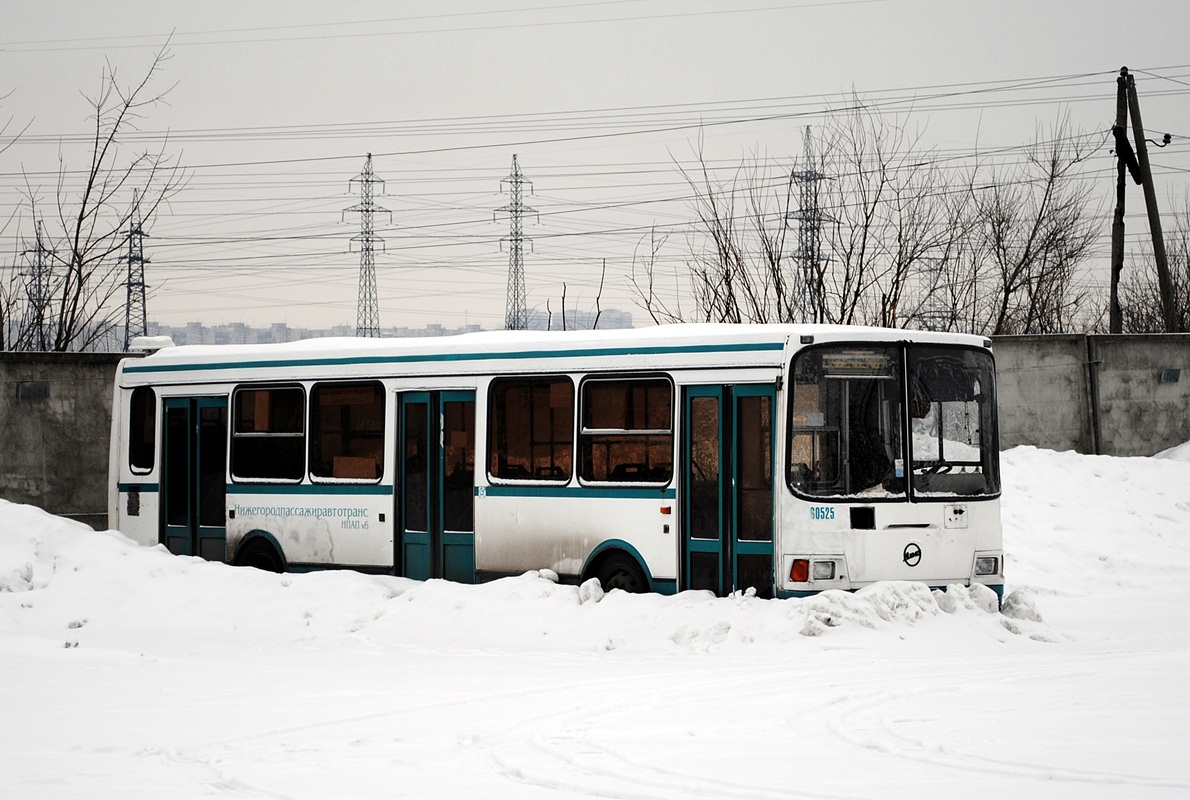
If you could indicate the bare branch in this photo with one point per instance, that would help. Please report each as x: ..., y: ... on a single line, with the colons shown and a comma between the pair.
x: 91, y: 219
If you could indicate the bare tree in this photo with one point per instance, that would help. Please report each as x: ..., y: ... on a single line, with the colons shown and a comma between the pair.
x: 644, y: 275
x: 1140, y: 301
x: 738, y: 263
x: 87, y: 223
x: 884, y: 211
x: 905, y: 242
x: 1034, y: 227
x: 9, y: 290
x: 888, y: 212
x: 10, y: 310
x: 576, y: 318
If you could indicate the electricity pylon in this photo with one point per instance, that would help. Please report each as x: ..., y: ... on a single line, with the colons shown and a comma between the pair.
x: 367, y: 318
x: 135, y: 312
x: 516, y: 314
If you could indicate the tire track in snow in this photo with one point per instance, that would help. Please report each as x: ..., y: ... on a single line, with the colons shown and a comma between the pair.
x: 570, y: 758
x: 858, y: 721
x: 227, y: 765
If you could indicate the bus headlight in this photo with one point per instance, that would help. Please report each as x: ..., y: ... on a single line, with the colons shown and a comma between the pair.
x: 986, y: 565
x: 823, y: 571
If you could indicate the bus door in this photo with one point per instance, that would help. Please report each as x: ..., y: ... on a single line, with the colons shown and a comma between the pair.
x: 436, y: 497
x: 194, y: 478
x: 727, y: 473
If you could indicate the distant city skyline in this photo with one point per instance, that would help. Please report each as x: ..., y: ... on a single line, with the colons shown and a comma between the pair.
x: 197, y: 332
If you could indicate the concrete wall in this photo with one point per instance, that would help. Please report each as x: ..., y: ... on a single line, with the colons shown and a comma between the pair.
x: 1042, y: 388
x: 55, y: 418
x: 1142, y: 391
x: 1123, y: 395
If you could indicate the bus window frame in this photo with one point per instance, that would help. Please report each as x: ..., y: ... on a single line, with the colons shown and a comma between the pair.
x: 894, y: 348
x: 992, y: 453
x: 492, y: 450
x: 234, y: 434
x: 153, y: 432
x: 582, y: 430
x: 381, y: 393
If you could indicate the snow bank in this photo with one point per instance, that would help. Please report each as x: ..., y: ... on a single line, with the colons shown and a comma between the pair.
x: 84, y: 587
x: 1179, y: 452
x: 1072, y: 522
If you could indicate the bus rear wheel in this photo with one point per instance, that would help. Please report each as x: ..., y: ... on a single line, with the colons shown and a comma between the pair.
x: 620, y: 571
x: 261, y: 555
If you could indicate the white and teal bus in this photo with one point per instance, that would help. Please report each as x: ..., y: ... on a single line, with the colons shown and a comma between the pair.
x: 785, y: 459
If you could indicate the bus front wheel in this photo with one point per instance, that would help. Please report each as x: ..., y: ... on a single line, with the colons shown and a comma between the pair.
x: 620, y: 571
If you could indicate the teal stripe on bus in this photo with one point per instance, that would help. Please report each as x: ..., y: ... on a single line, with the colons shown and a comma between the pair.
x: 602, y: 492
x: 143, y: 487
x: 421, y: 358
x: 309, y: 488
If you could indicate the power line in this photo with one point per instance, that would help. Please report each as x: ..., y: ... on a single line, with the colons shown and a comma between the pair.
x: 178, y: 40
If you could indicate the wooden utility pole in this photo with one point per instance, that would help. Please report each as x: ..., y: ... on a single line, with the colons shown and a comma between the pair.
x: 1142, y: 157
x: 1123, y: 156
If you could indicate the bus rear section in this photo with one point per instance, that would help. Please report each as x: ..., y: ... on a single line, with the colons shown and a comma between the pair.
x: 892, y: 467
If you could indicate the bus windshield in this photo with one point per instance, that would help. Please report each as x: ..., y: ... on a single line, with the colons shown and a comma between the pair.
x: 952, y: 421
x: 853, y: 405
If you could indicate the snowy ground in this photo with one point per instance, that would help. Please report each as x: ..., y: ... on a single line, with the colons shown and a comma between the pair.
x: 129, y: 673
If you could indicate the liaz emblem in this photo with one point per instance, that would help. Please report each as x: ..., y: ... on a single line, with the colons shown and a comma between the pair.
x: 912, y: 554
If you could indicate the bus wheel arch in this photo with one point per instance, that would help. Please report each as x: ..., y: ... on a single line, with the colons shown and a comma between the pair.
x: 617, y: 565
x: 260, y: 550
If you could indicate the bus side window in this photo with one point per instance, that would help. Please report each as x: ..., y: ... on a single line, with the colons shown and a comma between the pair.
x: 531, y: 429
x: 627, y: 432
x: 142, y: 429
x: 268, y: 440
x: 347, y: 430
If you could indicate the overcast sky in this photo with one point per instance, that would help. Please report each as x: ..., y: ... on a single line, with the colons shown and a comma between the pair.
x: 273, y: 107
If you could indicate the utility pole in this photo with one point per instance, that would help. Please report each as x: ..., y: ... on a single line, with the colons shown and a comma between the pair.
x: 135, y: 313
x: 1142, y: 157
x: 1124, y: 159
x: 367, y: 316
x: 516, y: 313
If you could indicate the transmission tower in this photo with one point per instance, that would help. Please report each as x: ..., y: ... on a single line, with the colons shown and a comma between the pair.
x: 936, y: 313
x: 516, y: 314
x: 367, y: 317
x: 37, y: 291
x: 135, y: 313
x: 808, y: 255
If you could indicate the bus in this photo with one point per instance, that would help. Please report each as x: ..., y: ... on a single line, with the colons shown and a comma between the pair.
x: 782, y: 460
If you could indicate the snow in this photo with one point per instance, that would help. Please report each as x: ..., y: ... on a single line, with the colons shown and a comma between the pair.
x: 1179, y: 453
x: 127, y: 672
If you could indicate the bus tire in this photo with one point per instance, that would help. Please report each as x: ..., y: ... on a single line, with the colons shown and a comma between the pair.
x: 259, y: 554
x: 619, y: 570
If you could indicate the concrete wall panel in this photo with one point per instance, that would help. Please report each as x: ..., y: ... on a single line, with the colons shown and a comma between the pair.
x: 1124, y: 395
x: 55, y: 419
x: 1041, y: 386
x: 1143, y: 392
